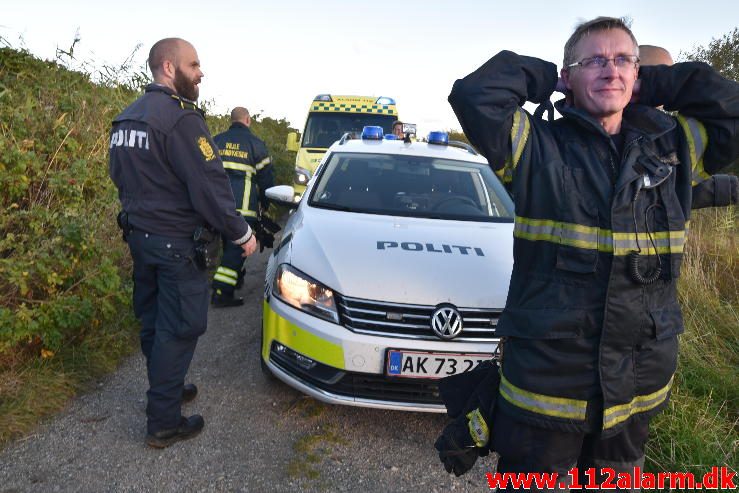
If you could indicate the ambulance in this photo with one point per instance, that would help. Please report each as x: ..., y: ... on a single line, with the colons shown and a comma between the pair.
x: 330, y: 116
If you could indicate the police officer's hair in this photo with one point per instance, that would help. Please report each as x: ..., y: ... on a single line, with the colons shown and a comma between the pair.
x: 239, y: 114
x: 595, y: 25
x: 164, y: 49
x: 396, y: 122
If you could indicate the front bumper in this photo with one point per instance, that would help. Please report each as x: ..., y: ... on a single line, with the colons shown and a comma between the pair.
x: 347, y: 368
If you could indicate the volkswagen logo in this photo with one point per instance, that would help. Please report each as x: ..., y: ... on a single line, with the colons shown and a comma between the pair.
x: 446, y: 322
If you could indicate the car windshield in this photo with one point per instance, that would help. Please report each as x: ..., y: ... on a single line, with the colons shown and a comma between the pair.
x: 323, y: 129
x: 416, y: 186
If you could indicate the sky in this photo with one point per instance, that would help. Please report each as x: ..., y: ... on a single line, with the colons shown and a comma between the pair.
x: 274, y: 56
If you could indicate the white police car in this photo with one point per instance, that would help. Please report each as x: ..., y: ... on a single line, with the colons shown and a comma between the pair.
x: 391, y: 273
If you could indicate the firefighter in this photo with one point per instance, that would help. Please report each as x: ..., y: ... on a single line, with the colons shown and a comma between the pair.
x: 716, y: 190
x: 171, y: 184
x: 603, y: 196
x: 250, y: 172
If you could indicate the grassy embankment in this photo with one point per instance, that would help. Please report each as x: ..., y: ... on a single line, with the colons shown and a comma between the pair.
x: 65, y: 314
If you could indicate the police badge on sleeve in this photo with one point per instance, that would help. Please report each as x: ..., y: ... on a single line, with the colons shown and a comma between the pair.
x: 206, y: 149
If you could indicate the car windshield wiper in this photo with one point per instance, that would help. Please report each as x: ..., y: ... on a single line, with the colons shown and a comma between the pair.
x: 334, y: 207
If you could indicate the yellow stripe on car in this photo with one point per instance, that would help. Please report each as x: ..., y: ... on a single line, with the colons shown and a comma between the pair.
x: 277, y: 328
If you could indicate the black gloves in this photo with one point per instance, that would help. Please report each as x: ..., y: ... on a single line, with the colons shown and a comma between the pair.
x: 470, y: 401
x: 457, y: 458
x: 458, y: 450
x: 264, y: 231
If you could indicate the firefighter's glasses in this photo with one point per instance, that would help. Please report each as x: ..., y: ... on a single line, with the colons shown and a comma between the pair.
x: 621, y: 62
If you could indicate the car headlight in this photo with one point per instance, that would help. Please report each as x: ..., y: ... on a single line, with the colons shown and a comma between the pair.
x: 305, y: 293
x: 302, y: 176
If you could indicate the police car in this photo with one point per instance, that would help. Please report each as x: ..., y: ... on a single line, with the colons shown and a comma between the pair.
x: 390, y: 274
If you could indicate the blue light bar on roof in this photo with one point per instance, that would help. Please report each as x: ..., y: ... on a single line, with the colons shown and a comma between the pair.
x: 372, y: 133
x: 438, y: 138
x: 384, y: 100
x: 323, y: 97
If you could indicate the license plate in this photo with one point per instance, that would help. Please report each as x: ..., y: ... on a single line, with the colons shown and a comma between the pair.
x: 419, y: 364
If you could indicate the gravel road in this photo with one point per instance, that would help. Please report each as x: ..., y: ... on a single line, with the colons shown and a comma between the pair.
x: 259, y: 435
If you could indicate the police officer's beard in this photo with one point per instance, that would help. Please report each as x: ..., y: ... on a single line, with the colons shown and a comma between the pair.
x: 184, y: 86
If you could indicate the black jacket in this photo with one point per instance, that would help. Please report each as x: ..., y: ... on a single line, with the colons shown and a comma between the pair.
x: 248, y: 166
x: 170, y: 179
x: 588, y: 345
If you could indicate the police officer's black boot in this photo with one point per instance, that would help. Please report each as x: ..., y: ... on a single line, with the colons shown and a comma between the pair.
x: 221, y: 299
x: 189, y: 392
x: 188, y: 428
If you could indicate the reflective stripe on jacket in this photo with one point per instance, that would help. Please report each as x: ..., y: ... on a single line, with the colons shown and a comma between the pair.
x: 588, y: 346
x: 248, y: 165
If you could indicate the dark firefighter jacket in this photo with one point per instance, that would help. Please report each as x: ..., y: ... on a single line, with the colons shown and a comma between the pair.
x: 248, y: 166
x: 170, y: 179
x: 587, y: 346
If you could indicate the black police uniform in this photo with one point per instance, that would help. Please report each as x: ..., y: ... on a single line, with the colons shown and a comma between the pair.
x: 244, y: 156
x: 170, y: 182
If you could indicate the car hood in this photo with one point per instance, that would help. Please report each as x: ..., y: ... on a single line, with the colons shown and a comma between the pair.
x: 405, y: 260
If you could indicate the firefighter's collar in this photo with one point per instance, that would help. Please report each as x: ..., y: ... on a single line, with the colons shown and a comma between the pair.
x: 238, y: 125
x: 644, y: 120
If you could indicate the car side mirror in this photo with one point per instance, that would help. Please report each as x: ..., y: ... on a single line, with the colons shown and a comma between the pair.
x: 283, y: 195
x: 292, y: 142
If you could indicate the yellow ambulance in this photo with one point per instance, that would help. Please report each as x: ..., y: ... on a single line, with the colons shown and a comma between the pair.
x: 330, y: 116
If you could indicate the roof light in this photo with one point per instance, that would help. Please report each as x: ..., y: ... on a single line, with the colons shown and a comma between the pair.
x: 372, y: 133
x: 384, y: 100
x: 391, y: 137
x: 439, y: 138
x: 323, y: 97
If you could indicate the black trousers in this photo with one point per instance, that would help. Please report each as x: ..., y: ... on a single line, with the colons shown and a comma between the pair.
x: 170, y: 299
x: 528, y: 449
x: 230, y: 273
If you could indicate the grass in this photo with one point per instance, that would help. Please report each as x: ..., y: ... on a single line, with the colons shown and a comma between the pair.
x: 699, y: 429
x: 309, y: 452
x: 32, y: 389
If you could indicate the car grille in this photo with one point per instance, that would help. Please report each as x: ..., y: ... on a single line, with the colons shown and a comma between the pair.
x: 412, y: 321
x: 361, y: 385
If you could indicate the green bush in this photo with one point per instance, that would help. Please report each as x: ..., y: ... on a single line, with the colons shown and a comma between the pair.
x: 60, y: 254
x: 63, y: 269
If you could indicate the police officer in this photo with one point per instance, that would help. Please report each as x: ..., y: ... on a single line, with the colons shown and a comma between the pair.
x: 398, y: 129
x: 170, y: 183
x: 603, y: 199
x: 250, y: 172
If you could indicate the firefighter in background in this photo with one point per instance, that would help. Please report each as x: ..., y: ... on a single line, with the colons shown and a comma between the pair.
x: 713, y: 191
x: 250, y: 172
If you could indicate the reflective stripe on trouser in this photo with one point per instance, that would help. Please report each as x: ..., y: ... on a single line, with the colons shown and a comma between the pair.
x: 524, y: 448
x: 594, y: 238
x: 227, y: 275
